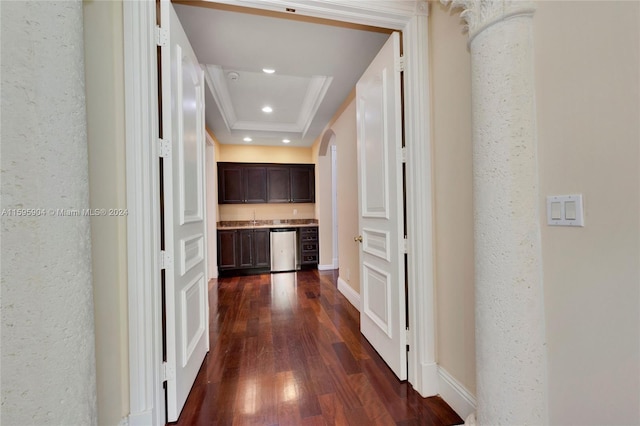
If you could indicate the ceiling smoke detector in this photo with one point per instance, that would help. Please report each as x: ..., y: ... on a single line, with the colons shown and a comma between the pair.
x: 233, y: 76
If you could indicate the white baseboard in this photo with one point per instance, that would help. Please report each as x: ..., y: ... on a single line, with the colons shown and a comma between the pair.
x: 325, y: 267
x: 352, y: 296
x: 457, y: 396
x: 428, y: 380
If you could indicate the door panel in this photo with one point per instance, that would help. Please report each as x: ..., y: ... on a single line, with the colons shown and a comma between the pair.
x: 189, y: 134
x: 187, y: 310
x: 379, y: 125
x: 191, y: 252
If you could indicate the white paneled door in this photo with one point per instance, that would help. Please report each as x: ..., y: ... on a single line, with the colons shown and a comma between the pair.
x: 186, y: 306
x: 382, y: 271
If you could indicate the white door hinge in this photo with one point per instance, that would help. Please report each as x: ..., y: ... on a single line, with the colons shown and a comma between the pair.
x: 400, y: 63
x: 164, y: 148
x: 162, y: 36
x: 167, y: 373
x: 408, y: 338
x: 405, y: 245
x: 404, y: 154
x: 166, y: 260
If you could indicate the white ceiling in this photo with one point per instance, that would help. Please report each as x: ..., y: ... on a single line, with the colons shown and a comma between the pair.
x: 317, y: 66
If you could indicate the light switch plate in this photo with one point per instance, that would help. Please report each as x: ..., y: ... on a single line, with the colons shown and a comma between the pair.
x: 565, y: 210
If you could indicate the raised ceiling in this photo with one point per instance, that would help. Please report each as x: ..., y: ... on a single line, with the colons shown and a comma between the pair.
x: 316, y: 67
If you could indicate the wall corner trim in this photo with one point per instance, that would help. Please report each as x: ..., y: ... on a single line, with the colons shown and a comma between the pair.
x: 352, y: 296
x: 455, y: 394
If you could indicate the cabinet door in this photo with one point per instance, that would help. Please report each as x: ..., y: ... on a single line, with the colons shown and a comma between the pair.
x: 302, y: 184
x: 227, y: 249
x: 278, y: 185
x: 255, y: 184
x: 245, y: 248
x: 262, y: 254
x: 230, y: 184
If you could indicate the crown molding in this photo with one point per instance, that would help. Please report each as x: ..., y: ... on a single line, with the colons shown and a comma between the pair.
x: 312, y: 100
x: 220, y: 92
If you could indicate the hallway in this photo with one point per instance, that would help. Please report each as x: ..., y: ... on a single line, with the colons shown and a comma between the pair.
x: 286, y: 350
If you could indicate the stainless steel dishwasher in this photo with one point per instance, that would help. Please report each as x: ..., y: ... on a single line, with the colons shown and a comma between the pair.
x: 284, y: 250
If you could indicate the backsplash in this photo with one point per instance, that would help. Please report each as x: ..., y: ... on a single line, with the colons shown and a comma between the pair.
x: 266, y: 223
x: 285, y: 211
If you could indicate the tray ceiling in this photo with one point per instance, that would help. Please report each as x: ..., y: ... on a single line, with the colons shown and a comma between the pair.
x: 315, y: 68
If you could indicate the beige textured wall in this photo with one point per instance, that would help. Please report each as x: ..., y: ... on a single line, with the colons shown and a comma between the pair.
x: 264, y: 154
x: 103, y: 37
x: 348, y: 253
x: 587, y: 77
x: 453, y: 200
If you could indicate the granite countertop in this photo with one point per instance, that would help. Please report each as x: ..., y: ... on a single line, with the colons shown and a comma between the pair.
x: 277, y: 223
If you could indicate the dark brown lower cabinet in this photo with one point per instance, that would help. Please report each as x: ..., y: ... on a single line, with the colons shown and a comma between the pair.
x: 308, y: 242
x: 261, y: 245
x: 227, y: 249
x: 243, y: 251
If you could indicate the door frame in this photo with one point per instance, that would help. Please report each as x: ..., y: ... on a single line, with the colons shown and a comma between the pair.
x: 146, y: 395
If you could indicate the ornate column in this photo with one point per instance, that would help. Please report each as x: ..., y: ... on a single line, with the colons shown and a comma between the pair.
x: 48, y: 349
x: 510, y: 336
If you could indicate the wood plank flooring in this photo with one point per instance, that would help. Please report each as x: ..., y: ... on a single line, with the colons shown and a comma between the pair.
x: 286, y: 350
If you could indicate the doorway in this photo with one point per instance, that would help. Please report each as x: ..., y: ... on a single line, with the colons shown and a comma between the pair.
x: 328, y: 192
x: 145, y: 361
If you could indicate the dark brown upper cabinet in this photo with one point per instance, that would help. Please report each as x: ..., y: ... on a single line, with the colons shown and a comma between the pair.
x: 240, y: 183
x: 303, y: 185
x: 278, y: 184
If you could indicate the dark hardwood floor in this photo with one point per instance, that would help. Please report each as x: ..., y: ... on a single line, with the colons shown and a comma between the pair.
x: 286, y: 350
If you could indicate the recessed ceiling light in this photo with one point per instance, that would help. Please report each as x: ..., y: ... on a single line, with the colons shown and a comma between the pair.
x: 285, y: 141
x: 267, y: 109
x: 268, y: 70
x: 247, y: 139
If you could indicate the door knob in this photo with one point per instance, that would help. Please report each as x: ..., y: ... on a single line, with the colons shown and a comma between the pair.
x: 358, y: 238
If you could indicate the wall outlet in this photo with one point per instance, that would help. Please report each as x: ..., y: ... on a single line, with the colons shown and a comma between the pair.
x: 295, y: 212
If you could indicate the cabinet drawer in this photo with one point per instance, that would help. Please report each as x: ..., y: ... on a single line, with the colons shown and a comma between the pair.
x: 309, y: 246
x: 310, y: 258
x: 308, y: 234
